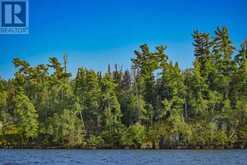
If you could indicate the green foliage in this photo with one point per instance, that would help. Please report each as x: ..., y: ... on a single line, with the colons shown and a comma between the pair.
x: 87, y: 89
x: 155, y: 104
x: 66, y: 129
x: 134, y: 136
x: 203, y: 133
x: 135, y: 110
x: 26, y: 117
x: 95, y: 141
x: 112, y: 126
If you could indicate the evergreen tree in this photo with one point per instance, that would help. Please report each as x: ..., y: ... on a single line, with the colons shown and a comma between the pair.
x: 112, y: 128
x: 25, y: 113
x: 87, y: 90
x: 155, y: 104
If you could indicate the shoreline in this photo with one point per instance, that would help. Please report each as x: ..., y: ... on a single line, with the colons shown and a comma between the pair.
x: 129, y: 148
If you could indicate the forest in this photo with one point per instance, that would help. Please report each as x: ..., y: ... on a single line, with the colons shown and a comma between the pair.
x: 154, y: 104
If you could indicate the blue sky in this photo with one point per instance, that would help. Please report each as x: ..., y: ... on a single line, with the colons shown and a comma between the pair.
x: 95, y: 33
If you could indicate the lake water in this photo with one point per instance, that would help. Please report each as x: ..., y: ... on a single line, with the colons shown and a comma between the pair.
x: 122, y: 157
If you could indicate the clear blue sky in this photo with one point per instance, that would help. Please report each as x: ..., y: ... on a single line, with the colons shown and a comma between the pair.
x: 95, y: 33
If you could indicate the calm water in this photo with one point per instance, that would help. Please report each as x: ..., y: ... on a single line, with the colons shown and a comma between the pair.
x: 123, y: 157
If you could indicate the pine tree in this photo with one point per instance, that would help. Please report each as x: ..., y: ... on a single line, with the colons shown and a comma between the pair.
x: 223, y: 50
x: 25, y: 113
x: 87, y: 90
x: 112, y: 129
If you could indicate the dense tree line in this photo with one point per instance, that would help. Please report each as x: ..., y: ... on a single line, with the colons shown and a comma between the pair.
x: 154, y: 104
